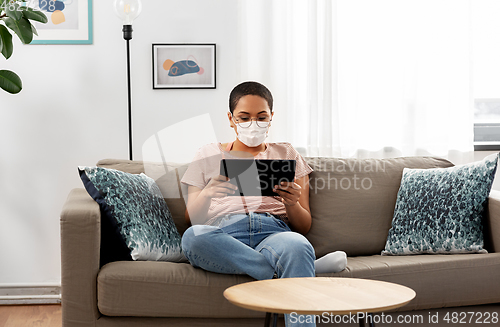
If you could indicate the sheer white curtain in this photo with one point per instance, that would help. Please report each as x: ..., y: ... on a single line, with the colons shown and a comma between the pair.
x: 362, y: 77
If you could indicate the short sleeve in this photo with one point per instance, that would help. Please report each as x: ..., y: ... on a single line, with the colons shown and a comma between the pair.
x: 203, y: 167
x: 195, y: 175
x: 301, y: 167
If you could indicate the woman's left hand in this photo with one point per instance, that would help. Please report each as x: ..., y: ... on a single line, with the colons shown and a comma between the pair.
x: 289, y: 192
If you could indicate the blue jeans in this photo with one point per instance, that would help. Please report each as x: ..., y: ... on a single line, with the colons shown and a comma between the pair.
x: 257, y: 244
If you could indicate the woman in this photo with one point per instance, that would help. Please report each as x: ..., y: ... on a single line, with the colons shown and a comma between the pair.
x: 259, y: 236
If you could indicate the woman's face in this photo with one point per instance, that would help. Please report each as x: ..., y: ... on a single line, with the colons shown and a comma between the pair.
x: 250, y: 107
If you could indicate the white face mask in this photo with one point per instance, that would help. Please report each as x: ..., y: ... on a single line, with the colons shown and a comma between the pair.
x: 252, y: 136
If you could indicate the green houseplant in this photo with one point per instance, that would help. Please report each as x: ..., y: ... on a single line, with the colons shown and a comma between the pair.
x: 16, y: 17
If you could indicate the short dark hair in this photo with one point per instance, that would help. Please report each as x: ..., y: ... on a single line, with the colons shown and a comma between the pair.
x: 249, y: 88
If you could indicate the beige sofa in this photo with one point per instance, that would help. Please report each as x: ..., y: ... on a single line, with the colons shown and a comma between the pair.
x: 352, y: 202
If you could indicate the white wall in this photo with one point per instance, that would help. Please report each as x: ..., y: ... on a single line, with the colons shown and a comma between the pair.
x: 73, y: 111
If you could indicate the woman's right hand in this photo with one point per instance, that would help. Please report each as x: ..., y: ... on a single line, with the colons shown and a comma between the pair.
x: 219, y: 187
x: 199, y: 200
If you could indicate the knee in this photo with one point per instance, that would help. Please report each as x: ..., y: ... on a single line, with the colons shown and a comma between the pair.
x: 299, y: 247
x: 187, y: 238
x: 194, y: 236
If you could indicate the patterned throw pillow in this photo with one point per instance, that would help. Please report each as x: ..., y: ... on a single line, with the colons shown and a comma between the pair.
x: 440, y: 210
x: 135, y: 206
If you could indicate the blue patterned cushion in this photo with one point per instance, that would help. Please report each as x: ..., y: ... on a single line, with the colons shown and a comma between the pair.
x: 135, y: 206
x: 440, y: 210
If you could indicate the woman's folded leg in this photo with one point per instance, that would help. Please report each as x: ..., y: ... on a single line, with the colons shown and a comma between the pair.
x: 290, y: 254
x: 210, y: 248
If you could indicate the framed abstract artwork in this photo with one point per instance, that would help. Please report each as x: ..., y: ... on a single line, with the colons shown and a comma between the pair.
x: 184, y: 66
x: 70, y: 22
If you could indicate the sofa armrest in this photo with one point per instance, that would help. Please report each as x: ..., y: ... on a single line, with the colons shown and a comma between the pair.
x: 492, y: 224
x: 80, y: 244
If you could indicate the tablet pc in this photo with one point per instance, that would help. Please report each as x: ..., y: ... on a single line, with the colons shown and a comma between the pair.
x: 257, y: 177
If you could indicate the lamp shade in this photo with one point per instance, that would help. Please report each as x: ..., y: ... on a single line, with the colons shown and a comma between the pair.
x: 128, y: 10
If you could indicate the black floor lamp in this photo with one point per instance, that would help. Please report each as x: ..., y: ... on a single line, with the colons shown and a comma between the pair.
x: 128, y: 10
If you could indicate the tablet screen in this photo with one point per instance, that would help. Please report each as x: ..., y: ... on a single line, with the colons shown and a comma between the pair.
x: 257, y: 177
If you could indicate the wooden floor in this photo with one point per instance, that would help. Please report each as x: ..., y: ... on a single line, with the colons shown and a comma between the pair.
x: 47, y: 315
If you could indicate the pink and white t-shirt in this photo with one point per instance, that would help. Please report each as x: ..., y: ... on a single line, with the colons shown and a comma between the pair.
x: 206, y: 164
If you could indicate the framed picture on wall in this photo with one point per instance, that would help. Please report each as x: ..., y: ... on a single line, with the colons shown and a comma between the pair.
x: 184, y: 66
x: 70, y: 22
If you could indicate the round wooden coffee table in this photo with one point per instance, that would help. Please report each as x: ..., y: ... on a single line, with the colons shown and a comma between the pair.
x: 319, y: 295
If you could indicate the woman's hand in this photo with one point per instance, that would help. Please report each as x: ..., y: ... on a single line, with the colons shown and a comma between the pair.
x: 219, y: 187
x: 289, y: 192
x: 199, y: 199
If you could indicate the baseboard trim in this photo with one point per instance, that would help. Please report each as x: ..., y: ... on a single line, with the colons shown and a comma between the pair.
x: 30, y: 294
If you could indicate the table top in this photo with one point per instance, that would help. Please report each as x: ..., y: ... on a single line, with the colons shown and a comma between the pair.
x: 316, y: 295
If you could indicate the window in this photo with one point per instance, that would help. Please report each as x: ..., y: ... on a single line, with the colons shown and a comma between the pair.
x: 486, y: 73
x: 486, y: 124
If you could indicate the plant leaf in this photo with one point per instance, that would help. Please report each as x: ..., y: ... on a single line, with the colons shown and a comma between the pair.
x: 10, y: 82
x: 12, y: 10
x: 33, y: 29
x: 30, y: 13
x: 21, y: 27
x: 6, y: 37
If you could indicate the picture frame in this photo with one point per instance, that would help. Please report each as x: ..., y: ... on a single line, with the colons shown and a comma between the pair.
x: 184, y: 66
x: 70, y: 22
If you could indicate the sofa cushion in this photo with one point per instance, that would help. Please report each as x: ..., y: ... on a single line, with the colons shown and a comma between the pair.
x: 167, y: 176
x: 165, y: 289
x: 441, y: 210
x: 134, y: 204
x: 440, y: 280
x: 352, y: 201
